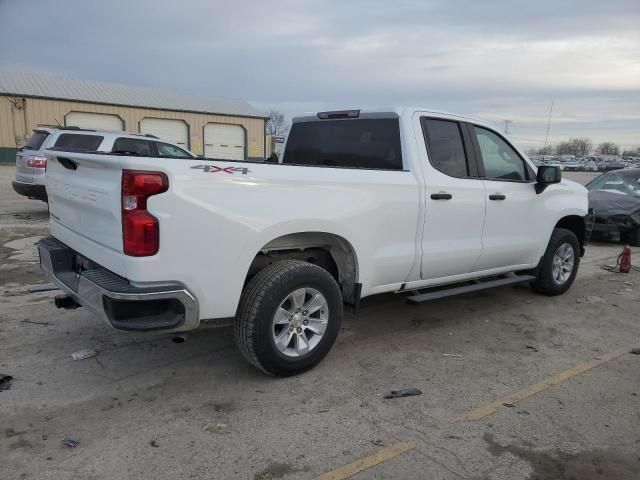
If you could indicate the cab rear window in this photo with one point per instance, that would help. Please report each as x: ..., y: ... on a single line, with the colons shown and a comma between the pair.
x: 36, y: 140
x: 362, y: 143
x: 82, y: 142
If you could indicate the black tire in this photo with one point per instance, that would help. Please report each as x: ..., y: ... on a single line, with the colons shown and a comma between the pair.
x: 545, y: 283
x: 260, y: 299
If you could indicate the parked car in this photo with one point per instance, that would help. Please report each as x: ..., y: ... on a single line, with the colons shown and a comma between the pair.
x: 614, y: 203
x: 572, y: 166
x: 362, y: 202
x: 31, y: 162
x: 611, y: 165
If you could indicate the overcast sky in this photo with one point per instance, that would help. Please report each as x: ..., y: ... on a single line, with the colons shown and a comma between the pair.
x: 494, y: 59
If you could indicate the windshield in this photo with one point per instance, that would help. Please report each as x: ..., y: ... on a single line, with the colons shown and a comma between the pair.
x: 623, y: 183
x: 36, y: 140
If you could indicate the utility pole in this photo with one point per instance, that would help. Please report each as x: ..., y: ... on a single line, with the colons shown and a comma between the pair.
x: 548, y: 125
x: 506, y: 126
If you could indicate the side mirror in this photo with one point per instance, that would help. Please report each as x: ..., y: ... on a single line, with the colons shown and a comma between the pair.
x: 546, y: 176
x: 273, y: 158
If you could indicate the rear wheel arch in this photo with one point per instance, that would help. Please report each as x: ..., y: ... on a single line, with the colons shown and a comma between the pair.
x: 330, y: 251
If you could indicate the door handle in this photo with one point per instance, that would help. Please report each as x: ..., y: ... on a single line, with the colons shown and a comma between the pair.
x: 497, y: 196
x: 441, y: 196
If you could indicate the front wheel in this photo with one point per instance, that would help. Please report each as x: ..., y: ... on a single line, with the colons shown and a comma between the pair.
x: 289, y: 317
x: 559, y: 266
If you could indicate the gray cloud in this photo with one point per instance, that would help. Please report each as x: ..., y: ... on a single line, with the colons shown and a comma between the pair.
x: 499, y: 59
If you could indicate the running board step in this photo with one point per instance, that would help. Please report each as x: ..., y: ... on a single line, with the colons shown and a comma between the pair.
x: 474, y: 287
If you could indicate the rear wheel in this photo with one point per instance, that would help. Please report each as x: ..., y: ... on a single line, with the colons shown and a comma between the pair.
x: 289, y: 317
x: 559, y: 266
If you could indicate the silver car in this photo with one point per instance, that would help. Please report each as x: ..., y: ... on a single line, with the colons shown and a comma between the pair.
x: 31, y: 163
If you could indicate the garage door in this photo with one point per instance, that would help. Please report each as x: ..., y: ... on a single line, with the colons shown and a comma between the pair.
x: 96, y: 121
x: 174, y: 131
x: 224, y: 141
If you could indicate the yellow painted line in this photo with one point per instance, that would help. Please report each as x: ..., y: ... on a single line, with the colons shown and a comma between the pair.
x: 364, y: 463
x: 527, y: 392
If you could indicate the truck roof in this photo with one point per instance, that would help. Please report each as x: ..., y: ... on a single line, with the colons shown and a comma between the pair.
x: 382, y: 112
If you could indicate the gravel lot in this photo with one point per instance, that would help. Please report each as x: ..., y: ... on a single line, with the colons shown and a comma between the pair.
x: 148, y: 407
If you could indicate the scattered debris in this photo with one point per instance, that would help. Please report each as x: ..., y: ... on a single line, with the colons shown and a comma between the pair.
x: 179, y: 339
x: 47, y: 287
x: 277, y: 470
x: 635, y: 351
x: 531, y: 347
x: 405, y: 392
x: 590, y: 299
x: 5, y: 382
x: 26, y: 320
x: 70, y: 443
x: 218, y: 428
x: 11, y: 432
x: 82, y: 354
x: 452, y: 355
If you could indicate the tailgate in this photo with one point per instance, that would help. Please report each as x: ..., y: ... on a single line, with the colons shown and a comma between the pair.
x: 84, y: 202
x: 24, y: 173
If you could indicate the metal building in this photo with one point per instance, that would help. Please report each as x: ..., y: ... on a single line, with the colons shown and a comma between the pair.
x: 210, y: 126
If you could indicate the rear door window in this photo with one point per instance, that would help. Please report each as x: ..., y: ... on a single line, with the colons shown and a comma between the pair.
x: 132, y: 146
x: 84, y: 142
x: 36, y: 140
x: 446, y: 147
x: 168, y: 150
x: 362, y: 143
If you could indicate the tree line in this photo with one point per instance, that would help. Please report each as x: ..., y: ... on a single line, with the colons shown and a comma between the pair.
x: 581, y: 147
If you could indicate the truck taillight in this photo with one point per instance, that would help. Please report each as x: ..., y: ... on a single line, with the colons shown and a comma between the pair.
x: 37, y: 162
x: 140, y: 229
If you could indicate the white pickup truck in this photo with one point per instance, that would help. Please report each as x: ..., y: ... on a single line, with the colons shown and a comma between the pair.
x: 362, y: 202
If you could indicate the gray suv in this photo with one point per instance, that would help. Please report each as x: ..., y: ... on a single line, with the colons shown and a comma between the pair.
x: 31, y: 163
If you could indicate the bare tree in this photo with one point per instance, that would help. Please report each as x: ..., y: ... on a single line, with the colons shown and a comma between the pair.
x: 608, y: 148
x: 581, y: 146
x: 575, y: 146
x: 563, y: 148
x: 276, y: 124
x: 548, y: 150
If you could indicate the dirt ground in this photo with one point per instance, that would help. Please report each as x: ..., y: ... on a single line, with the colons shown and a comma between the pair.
x: 515, y: 386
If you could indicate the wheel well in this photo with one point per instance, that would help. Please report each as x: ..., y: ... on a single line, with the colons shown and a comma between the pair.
x: 329, y: 251
x: 576, y: 224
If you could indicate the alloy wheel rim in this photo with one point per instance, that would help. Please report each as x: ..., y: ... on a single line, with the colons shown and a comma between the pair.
x: 563, y: 263
x: 300, y: 322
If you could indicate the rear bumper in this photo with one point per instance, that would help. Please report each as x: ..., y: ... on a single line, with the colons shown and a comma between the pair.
x: 39, y: 192
x: 168, y: 307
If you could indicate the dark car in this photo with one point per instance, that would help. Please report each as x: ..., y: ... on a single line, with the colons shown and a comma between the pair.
x: 614, y: 206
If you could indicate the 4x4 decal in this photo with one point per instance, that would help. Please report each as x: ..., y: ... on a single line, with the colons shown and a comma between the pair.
x: 216, y: 169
